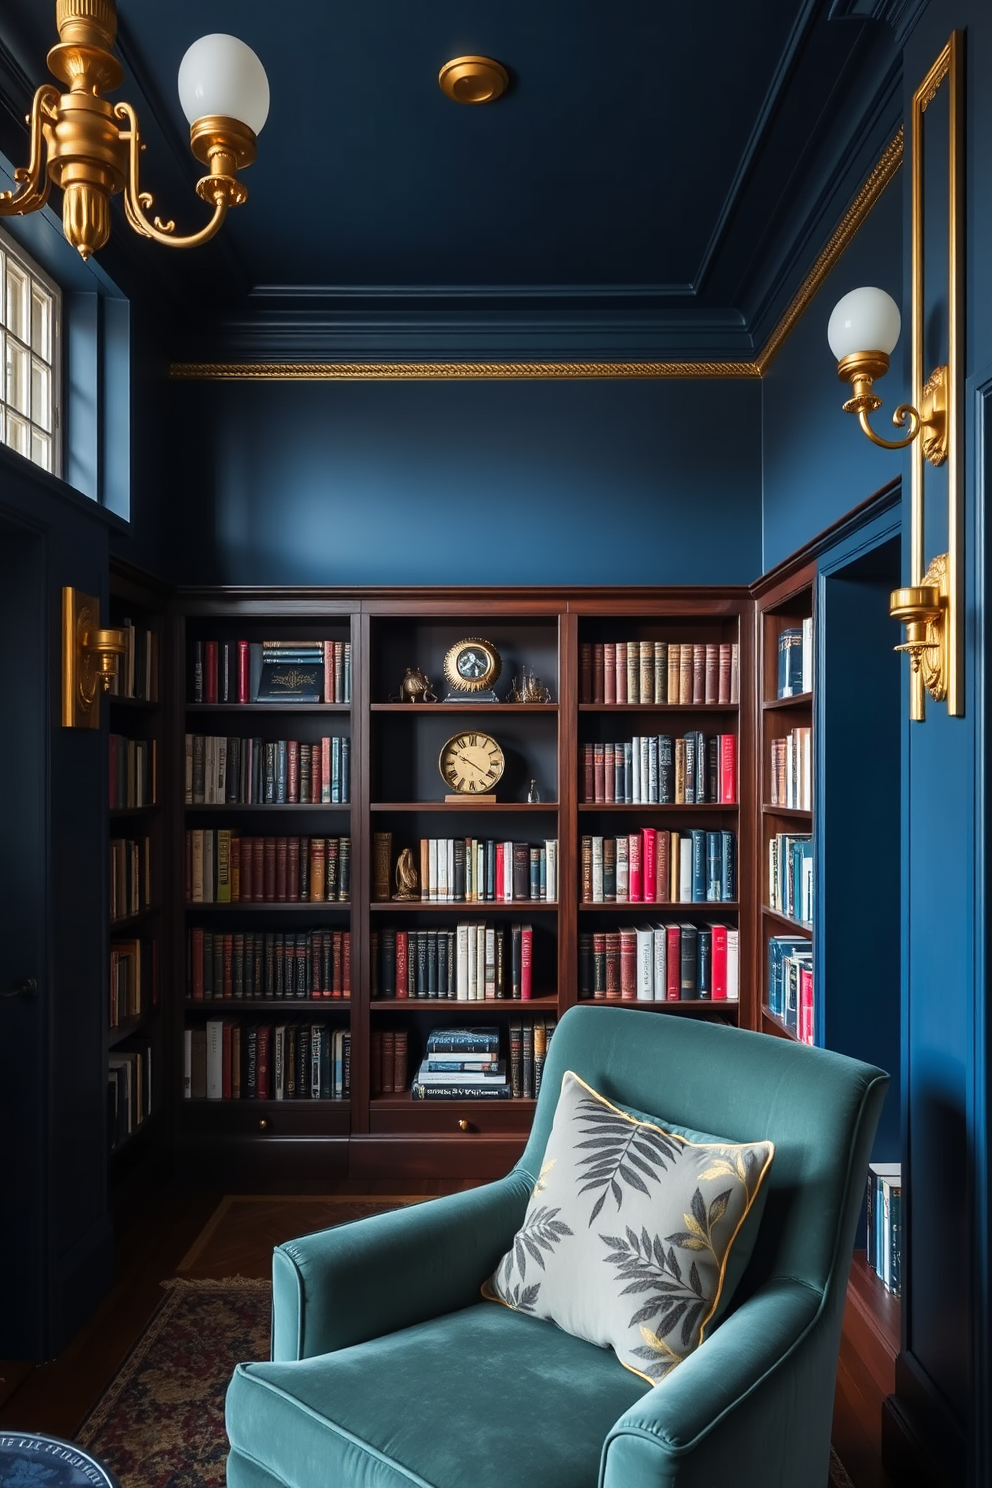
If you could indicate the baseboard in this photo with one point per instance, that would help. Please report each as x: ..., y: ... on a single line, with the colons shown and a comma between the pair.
x: 923, y: 1444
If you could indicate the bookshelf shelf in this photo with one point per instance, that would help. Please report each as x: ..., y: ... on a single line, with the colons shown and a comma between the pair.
x: 464, y: 906
x: 773, y: 1024
x: 658, y: 707
x: 121, y: 1031
x: 802, y: 700
x: 116, y: 812
x: 479, y: 1008
x: 800, y: 927
x: 220, y: 1005
x: 668, y: 907
x: 705, y: 808
x: 269, y: 906
x: 131, y: 704
x: 130, y: 922
x: 793, y: 812
x: 272, y: 806
x: 694, y: 1008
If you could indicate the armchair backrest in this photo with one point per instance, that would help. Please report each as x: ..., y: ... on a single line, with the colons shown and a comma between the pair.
x: 819, y: 1108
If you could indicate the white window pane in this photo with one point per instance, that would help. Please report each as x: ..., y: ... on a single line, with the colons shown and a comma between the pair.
x: 41, y: 394
x: 18, y: 377
x: 41, y: 324
x: 18, y: 434
x: 18, y: 298
x: 41, y: 449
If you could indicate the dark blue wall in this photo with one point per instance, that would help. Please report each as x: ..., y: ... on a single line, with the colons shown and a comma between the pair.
x: 468, y: 482
x: 817, y: 463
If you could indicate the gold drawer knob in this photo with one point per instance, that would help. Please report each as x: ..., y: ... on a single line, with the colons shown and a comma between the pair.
x: 263, y: 1125
x: 464, y: 1125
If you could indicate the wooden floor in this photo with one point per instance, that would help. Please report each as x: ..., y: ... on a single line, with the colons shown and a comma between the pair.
x: 55, y: 1397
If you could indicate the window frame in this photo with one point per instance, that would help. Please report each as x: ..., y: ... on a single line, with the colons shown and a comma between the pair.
x: 11, y: 248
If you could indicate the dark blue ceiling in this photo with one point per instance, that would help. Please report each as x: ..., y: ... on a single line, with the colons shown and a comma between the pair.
x: 655, y: 178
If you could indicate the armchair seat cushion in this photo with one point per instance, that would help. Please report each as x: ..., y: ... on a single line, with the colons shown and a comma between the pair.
x: 484, y: 1395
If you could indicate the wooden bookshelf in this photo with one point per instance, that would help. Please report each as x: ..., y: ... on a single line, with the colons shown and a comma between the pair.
x: 396, y: 787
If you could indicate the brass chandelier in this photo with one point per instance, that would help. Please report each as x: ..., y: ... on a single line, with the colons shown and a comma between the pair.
x: 91, y: 148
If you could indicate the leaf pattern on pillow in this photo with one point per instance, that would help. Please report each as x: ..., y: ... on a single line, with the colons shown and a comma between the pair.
x: 541, y: 1231
x: 524, y: 1299
x: 744, y: 1163
x: 676, y: 1300
x: 699, y: 1225
x: 619, y: 1151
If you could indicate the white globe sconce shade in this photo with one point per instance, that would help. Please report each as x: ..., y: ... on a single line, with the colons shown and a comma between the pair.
x: 866, y: 319
x: 221, y: 76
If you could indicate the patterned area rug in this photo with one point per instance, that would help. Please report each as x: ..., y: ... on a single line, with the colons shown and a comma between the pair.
x: 161, y: 1422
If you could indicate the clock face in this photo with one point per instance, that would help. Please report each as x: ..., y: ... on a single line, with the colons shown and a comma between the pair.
x: 471, y: 762
x: 472, y: 665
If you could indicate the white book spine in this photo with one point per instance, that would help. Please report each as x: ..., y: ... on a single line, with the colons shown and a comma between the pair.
x: 645, y: 963
x: 635, y: 769
x: 597, y: 870
x: 733, y: 964
x: 461, y: 963
x: 685, y: 870
x: 551, y: 848
x: 480, y: 963
x: 215, y: 1058
x: 220, y: 789
x: 660, y: 963
x: 279, y: 1062
x: 209, y: 769
x: 623, y: 869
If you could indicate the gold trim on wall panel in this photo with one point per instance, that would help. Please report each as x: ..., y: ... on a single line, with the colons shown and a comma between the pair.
x: 839, y: 240
x: 445, y: 371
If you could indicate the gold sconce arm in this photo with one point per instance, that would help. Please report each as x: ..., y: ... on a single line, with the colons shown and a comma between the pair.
x: 930, y: 421
x: 33, y: 179
x: 89, y: 659
x: 922, y: 608
x: 222, y: 190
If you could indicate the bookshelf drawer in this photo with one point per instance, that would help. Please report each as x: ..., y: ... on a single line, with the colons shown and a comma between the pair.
x: 267, y: 1118
x: 444, y: 1118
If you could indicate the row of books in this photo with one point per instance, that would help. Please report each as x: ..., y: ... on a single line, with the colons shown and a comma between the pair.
x: 658, y: 770
x: 226, y: 770
x: 653, y: 866
x: 133, y: 772
x: 465, y: 1063
x: 224, y: 964
x: 388, y: 1059
x: 270, y: 671
x: 133, y: 979
x: 659, y: 672
x: 661, y: 963
x: 137, y: 669
x: 884, y: 1212
x: 223, y: 867
x: 470, y: 962
x: 129, y: 1090
x: 229, y: 1060
x: 792, y: 770
x: 795, y: 659
x: 790, y: 985
x: 790, y: 875
x: 130, y: 876
x: 473, y: 870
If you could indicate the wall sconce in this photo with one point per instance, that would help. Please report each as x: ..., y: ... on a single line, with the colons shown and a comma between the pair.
x: 89, y: 659
x: 91, y: 148
x: 863, y: 332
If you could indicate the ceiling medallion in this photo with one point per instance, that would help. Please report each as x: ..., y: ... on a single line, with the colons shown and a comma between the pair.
x: 473, y: 79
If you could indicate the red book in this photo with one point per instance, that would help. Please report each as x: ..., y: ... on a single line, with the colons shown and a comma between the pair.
x: 402, y: 985
x: 712, y: 694
x: 247, y: 876
x: 609, y: 672
x: 663, y: 879
x: 274, y: 868
x: 244, y: 692
x: 388, y: 1060
x: 337, y: 958
x: 316, y: 771
x: 698, y: 672
x: 599, y: 772
x: 635, y: 869
x: 588, y: 773
x: 805, y: 1029
x: 258, y: 854
x: 621, y: 672
x: 673, y: 963
x: 723, y: 674
x: 346, y: 963
x: 597, y: 672
x: 609, y: 771
x: 628, y: 965
x: 226, y: 1060
x: 292, y: 869
x: 719, y: 962
x: 235, y: 867
x: 316, y: 961
x: 263, y: 1062
x: 325, y: 770
x: 612, y: 939
x: 210, y: 671
x: 293, y: 771
x: 196, y: 968
x: 328, y: 671
x: 526, y: 962
x: 585, y: 672
x: 501, y: 898
x: 649, y: 863
x: 728, y: 768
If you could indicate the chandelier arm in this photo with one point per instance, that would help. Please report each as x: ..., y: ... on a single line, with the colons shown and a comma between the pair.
x: 33, y: 179
x: 136, y: 200
x: 905, y: 415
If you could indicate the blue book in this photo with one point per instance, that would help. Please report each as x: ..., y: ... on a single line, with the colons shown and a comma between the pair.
x: 790, y: 661
x: 628, y: 775
x: 281, y: 772
x: 335, y: 769
x: 779, y: 947
x: 728, y: 881
x: 698, y: 865
x: 345, y: 770
x: 714, y: 867
x: 666, y: 770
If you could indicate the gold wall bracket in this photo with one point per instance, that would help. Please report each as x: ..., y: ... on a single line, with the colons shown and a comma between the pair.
x: 929, y: 421
x: 89, y: 659
x: 922, y: 608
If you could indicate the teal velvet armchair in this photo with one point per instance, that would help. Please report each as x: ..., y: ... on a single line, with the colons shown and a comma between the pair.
x: 388, y: 1369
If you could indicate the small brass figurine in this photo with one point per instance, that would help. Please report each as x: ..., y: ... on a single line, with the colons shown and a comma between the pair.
x: 415, y: 688
x: 529, y: 689
x: 407, y: 884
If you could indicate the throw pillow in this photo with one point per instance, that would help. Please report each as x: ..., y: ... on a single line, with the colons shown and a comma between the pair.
x: 628, y: 1232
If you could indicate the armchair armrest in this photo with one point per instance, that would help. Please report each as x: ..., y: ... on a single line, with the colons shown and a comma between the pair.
x: 746, y: 1380
x: 352, y: 1283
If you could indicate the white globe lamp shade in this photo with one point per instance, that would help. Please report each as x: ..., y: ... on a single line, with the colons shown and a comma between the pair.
x: 867, y: 319
x: 221, y: 75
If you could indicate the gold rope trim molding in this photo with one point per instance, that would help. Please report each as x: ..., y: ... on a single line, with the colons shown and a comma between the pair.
x: 839, y: 240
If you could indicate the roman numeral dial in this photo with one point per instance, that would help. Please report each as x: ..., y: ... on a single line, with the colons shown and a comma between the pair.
x: 471, y: 763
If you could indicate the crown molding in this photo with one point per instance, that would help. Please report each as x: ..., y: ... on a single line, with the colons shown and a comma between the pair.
x: 901, y: 15
x: 441, y: 371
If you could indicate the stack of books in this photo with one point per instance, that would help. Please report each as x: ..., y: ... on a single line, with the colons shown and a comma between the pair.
x: 885, y: 1224
x: 462, y: 1064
